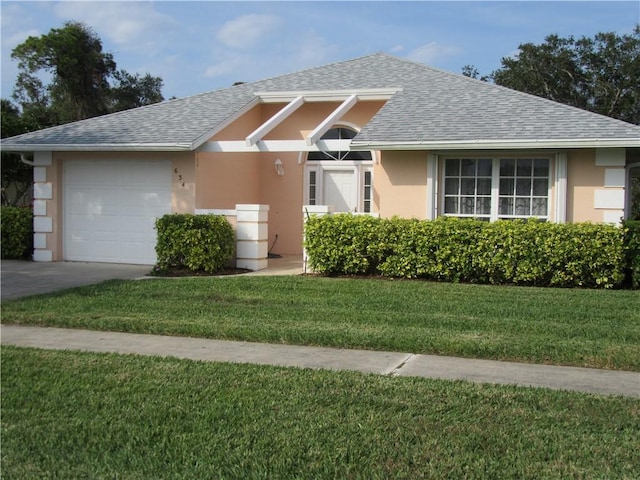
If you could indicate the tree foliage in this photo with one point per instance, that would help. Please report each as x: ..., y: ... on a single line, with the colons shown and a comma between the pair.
x: 600, y: 74
x: 16, y: 175
x: 85, y: 81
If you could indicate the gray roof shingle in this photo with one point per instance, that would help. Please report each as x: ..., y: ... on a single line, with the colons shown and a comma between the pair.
x: 433, y: 106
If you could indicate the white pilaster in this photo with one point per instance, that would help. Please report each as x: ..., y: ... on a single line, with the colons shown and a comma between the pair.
x: 252, y: 236
x: 42, y: 192
x: 561, y: 188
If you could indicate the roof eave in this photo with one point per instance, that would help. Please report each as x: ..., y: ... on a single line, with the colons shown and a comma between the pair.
x: 99, y: 147
x: 499, y: 144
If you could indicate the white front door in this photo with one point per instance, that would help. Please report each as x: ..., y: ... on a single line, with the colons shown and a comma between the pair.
x: 339, y: 189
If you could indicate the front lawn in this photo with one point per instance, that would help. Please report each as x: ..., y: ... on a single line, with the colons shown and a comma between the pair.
x: 87, y: 415
x: 594, y: 328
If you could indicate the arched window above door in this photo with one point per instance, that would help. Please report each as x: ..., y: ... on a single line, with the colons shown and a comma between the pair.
x: 339, y: 133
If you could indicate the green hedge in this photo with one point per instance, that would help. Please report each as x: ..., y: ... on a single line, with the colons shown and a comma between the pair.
x: 200, y: 243
x: 464, y: 250
x: 632, y: 244
x: 17, y: 232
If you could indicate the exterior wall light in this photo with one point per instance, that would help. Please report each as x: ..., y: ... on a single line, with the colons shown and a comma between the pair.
x: 279, y: 167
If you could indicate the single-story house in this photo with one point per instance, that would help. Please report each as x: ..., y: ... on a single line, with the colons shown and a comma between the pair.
x: 375, y: 135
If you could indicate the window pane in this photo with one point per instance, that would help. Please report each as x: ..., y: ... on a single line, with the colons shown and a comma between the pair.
x: 312, y: 188
x: 322, y: 155
x: 451, y: 205
x: 484, y: 186
x: 452, y: 167
x: 467, y: 205
x: 468, y: 186
x: 541, y: 167
x: 483, y: 205
x: 539, y: 206
x: 523, y: 187
x: 484, y: 167
x: 346, y: 133
x: 451, y: 186
x: 524, y: 166
x: 523, y: 206
x: 507, y: 167
x: 505, y: 206
x: 332, y: 134
x: 507, y: 186
x: 355, y: 156
x: 540, y: 187
x: 468, y: 167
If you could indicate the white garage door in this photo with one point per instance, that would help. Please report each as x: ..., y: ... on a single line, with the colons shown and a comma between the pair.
x: 110, y: 207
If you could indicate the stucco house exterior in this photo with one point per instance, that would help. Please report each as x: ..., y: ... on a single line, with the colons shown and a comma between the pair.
x: 375, y: 135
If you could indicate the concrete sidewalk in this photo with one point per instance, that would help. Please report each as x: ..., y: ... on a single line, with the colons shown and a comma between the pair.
x: 606, y: 382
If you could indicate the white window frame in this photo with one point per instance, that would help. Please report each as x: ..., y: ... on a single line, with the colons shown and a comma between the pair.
x: 320, y: 166
x: 494, y: 214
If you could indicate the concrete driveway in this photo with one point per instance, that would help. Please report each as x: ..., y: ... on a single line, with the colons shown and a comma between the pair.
x: 22, y: 278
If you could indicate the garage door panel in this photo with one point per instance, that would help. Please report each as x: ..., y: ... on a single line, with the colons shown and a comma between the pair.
x: 110, y: 209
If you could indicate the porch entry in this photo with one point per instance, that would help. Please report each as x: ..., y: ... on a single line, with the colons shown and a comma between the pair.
x: 341, y: 179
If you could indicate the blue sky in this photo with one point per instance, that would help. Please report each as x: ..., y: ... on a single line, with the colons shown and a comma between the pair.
x: 201, y: 46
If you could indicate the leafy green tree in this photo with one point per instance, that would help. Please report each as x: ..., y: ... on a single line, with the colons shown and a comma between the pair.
x: 16, y: 175
x: 85, y: 81
x: 600, y: 74
x: 134, y: 91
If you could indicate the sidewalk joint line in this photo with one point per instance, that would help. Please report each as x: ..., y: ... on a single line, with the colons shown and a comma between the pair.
x: 401, y: 365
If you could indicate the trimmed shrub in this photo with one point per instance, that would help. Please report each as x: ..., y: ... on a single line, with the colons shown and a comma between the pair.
x: 465, y: 250
x: 17, y: 232
x: 340, y: 243
x: 632, y: 252
x: 200, y: 243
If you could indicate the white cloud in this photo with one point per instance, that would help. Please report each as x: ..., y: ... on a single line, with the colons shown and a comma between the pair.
x: 247, y: 31
x: 432, y: 52
x: 225, y: 67
x: 396, y: 49
x: 311, y: 49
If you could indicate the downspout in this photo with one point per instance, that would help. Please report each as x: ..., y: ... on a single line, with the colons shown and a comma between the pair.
x: 24, y: 160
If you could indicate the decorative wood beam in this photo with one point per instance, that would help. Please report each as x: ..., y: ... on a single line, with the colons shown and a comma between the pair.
x: 328, y: 122
x: 274, y: 121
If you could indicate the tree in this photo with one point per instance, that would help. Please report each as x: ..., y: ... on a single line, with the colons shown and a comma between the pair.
x: 16, y: 175
x: 472, y: 72
x: 135, y: 91
x: 599, y: 74
x: 85, y: 81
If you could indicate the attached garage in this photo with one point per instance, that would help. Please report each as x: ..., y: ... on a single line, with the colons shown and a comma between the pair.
x: 110, y: 207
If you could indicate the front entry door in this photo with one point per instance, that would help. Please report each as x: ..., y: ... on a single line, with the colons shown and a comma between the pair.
x: 339, y: 190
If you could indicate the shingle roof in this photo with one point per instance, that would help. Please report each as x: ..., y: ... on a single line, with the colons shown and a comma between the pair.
x: 433, y: 107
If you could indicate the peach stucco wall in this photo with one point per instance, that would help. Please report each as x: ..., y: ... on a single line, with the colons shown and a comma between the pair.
x: 583, y: 179
x: 400, y: 184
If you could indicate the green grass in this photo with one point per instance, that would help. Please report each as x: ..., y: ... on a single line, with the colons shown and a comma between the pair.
x: 595, y: 328
x: 87, y: 415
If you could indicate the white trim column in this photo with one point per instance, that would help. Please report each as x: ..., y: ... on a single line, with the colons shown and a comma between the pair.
x: 560, y: 214
x: 42, y: 196
x: 611, y: 198
x: 252, y: 236
x: 432, y: 186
